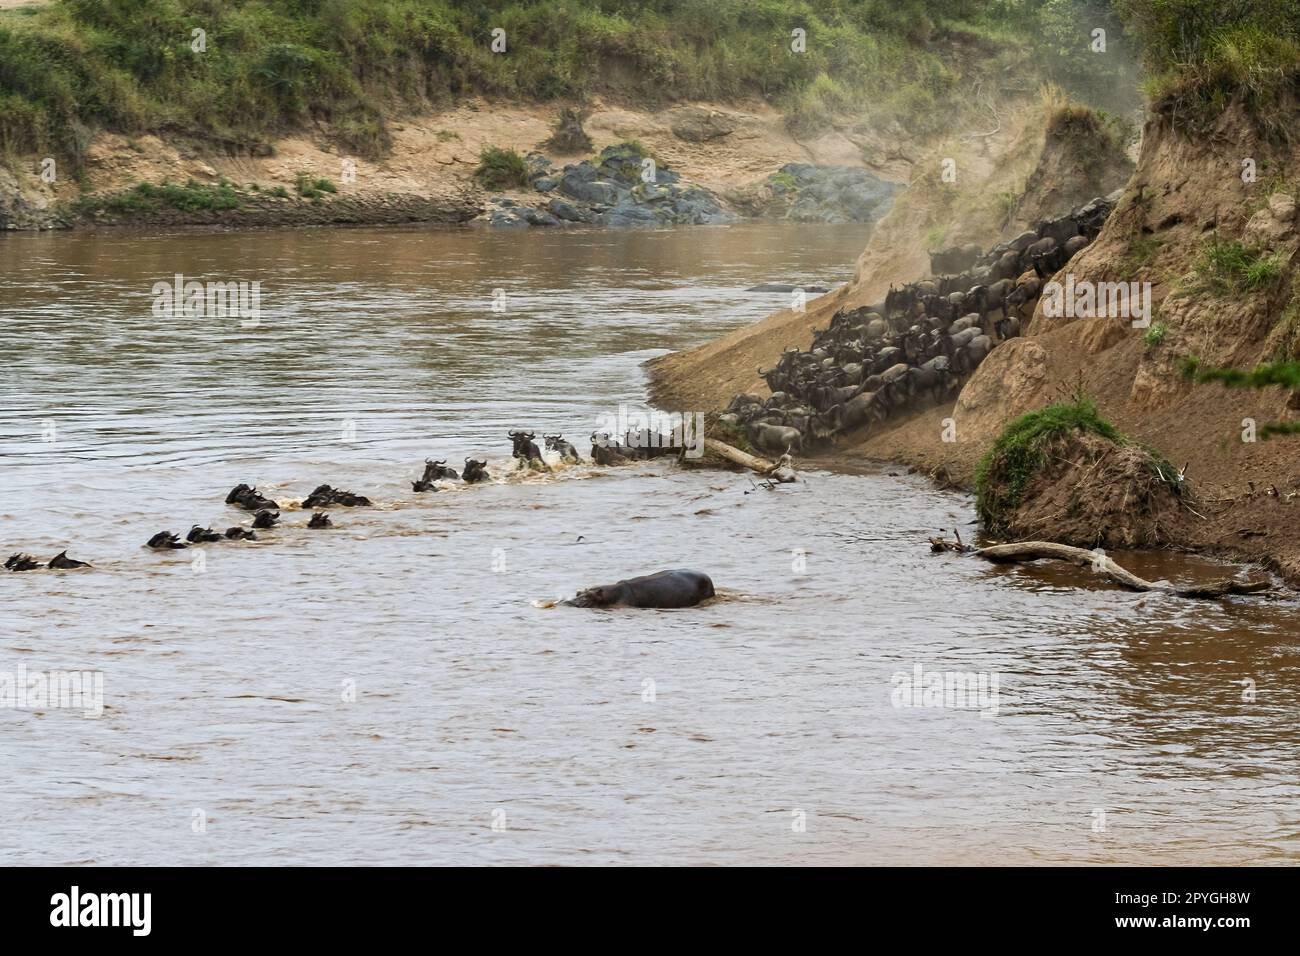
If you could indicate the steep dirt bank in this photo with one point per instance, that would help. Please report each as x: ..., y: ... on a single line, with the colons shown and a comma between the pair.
x: 1186, y: 194
x: 1001, y: 180
x: 426, y: 177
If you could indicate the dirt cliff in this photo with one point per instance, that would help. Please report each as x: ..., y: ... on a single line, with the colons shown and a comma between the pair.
x: 973, y: 188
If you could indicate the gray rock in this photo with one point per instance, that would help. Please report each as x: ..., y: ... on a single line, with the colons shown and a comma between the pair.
x: 538, y: 217
x: 568, y: 211
x: 502, y: 219
x: 592, y: 191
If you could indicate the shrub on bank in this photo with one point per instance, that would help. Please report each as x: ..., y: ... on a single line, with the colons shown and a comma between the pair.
x: 1021, y: 450
x: 501, y: 169
x: 1066, y: 474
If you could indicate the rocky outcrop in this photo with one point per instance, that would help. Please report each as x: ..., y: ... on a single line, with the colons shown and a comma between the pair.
x: 623, y: 186
x: 26, y: 203
x: 803, y: 192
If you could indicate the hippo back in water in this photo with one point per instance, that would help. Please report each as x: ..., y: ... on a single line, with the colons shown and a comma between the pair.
x: 680, y: 588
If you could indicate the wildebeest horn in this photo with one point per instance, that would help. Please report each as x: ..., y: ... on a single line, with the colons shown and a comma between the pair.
x: 441, y: 461
x: 513, y: 433
x: 531, y: 435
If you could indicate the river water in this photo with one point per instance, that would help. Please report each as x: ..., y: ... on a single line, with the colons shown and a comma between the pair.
x: 395, y: 690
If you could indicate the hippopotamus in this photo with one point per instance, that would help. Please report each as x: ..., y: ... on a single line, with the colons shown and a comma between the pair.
x: 679, y: 588
x: 240, y: 534
x: 525, y: 449
x: 564, y: 449
x: 165, y: 541
x: 266, y: 519
x: 320, y: 520
x: 475, y: 471
x: 198, y: 535
x: 325, y: 495
x: 248, y: 498
x: 61, y: 562
x: 22, y: 562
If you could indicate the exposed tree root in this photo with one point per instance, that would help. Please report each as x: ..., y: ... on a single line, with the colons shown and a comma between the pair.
x: 1100, y: 563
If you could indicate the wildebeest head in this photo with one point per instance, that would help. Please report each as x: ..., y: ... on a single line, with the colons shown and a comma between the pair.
x: 474, y: 470
x: 524, y: 446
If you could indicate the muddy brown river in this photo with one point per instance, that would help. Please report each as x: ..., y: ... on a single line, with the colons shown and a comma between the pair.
x: 395, y: 691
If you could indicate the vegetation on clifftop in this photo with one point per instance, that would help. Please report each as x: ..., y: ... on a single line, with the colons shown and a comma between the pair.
x: 240, y: 72
x: 1201, y: 54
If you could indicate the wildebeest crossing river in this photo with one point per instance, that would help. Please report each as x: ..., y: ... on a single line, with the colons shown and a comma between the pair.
x: 386, y: 691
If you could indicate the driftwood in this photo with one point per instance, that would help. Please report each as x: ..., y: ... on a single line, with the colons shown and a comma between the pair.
x: 760, y: 465
x: 1099, y: 562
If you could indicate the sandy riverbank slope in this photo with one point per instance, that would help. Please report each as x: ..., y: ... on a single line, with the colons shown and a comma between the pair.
x: 1185, y: 190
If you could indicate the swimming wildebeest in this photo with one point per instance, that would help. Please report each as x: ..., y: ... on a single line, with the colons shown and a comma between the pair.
x: 475, y: 471
x: 165, y: 541
x: 320, y: 520
x: 434, y: 471
x: 607, y: 451
x: 22, y: 562
x: 564, y: 449
x: 198, y: 535
x: 248, y: 498
x: 61, y: 562
x: 324, y: 495
x: 679, y: 588
x: 525, y: 449
x: 266, y: 519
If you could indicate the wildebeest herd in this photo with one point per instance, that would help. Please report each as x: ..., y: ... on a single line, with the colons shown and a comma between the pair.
x: 918, y: 346
x: 635, y: 445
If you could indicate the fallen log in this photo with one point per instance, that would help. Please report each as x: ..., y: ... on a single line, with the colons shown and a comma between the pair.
x: 1102, y: 564
x: 723, y: 450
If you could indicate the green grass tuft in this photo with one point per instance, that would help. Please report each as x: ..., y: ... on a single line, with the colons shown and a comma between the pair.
x: 1022, y: 449
x: 1233, y: 268
x: 501, y: 169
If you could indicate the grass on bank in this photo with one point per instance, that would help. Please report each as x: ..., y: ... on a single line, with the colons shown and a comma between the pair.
x: 153, y: 197
x: 1025, y: 447
x: 1285, y: 374
x: 1231, y: 268
x: 261, y: 68
x: 501, y: 169
x: 1202, y: 54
